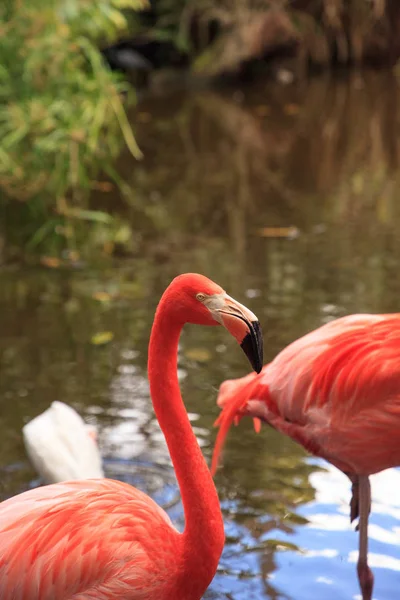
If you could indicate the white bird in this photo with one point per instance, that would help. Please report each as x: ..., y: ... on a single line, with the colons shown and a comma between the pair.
x: 61, y: 447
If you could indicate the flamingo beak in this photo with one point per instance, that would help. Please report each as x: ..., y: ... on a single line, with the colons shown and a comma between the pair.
x: 242, y: 324
x: 252, y: 345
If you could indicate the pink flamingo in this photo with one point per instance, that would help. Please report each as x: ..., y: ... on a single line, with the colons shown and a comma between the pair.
x: 102, y: 539
x: 336, y: 391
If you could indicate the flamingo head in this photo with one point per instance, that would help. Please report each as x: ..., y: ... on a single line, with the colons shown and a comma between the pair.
x: 206, y: 303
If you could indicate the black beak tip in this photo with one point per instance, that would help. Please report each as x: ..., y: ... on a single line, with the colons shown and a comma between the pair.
x: 252, y: 346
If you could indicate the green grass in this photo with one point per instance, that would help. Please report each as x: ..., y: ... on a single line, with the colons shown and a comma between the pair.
x: 62, y: 111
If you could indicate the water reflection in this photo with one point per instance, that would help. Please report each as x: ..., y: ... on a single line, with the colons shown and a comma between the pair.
x: 221, y: 173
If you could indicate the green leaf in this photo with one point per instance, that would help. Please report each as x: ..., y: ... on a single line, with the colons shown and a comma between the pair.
x: 97, y: 216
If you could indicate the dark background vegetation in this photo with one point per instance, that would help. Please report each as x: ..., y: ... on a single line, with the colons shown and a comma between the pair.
x: 70, y: 69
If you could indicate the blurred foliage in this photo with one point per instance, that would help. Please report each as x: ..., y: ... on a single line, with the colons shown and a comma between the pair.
x: 213, y: 163
x: 62, y: 118
x: 317, y: 31
x: 169, y: 21
x: 221, y: 36
x: 62, y: 111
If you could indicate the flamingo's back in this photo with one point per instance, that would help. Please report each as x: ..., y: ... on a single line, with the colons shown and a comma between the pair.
x: 81, y: 540
x: 331, y: 390
x: 61, y: 446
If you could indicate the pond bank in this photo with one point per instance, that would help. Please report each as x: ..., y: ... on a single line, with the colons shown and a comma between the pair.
x: 250, y: 38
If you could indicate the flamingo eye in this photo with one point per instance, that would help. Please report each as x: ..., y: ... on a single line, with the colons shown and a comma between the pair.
x: 201, y: 297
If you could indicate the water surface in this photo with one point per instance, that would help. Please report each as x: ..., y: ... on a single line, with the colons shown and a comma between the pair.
x: 286, y: 197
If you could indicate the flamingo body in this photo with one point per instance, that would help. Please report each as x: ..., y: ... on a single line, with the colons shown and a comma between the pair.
x: 336, y: 391
x: 78, y: 540
x: 99, y: 539
x: 61, y: 446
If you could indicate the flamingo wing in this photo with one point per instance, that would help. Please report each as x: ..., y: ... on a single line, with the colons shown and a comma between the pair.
x: 84, y: 540
x: 331, y: 390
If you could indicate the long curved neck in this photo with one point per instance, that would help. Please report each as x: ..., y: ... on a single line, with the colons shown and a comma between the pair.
x: 204, y: 528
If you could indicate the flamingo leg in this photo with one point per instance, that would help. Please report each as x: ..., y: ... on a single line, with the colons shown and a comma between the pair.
x: 354, y: 502
x: 365, y: 575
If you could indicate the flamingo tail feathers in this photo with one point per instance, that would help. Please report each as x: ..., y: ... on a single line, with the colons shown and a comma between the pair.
x: 233, y: 409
